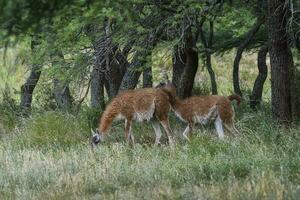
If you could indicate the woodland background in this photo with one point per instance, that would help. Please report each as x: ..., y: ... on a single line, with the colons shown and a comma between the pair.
x: 63, y: 61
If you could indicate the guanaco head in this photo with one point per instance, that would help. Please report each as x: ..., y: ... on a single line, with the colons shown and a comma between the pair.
x: 167, y: 86
x: 96, y: 138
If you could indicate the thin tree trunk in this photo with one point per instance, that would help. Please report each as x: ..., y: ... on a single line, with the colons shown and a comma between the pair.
x: 261, y: 77
x: 207, y: 43
x: 281, y: 61
x: 147, y: 77
x: 28, y: 87
x: 249, y: 36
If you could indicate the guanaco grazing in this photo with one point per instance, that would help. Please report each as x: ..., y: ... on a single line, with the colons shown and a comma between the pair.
x: 202, y: 109
x: 140, y: 104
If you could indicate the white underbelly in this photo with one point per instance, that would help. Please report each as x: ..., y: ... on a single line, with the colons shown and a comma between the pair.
x: 205, y: 118
x: 146, y: 115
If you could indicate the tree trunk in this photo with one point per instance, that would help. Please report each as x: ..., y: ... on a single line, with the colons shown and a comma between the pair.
x: 147, y: 77
x: 281, y: 61
x: 179, y: 60
x: 97, y: 74
x: 207, y: 43
x: 113, y: 72
x: 131, y: 76
x: 28, y: 87
x: 261, y: 77
x: 62, y: 95
x: 97, y: 88
x: 296, y: 89
x: 133, y: 72
x: 61, y: 87
x: 191, y: 66
x: 249, y: 36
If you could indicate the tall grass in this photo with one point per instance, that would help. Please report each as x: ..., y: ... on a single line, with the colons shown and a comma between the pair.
x: 51, y: 158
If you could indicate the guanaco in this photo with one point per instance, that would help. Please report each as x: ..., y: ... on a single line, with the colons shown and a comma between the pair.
x: 140, y: 105
x: 202, y: 109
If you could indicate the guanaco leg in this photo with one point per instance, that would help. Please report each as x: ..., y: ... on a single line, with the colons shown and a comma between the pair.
x: 156, y: 127
x: 128, y: 131
x: 166, y: 125
x: 187, y: 131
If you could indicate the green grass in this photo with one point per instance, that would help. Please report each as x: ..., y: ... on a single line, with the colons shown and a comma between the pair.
x: 50, y: 157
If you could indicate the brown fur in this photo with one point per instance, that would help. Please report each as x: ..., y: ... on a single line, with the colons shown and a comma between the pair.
x: 130, y: 103
x: 203, y: 107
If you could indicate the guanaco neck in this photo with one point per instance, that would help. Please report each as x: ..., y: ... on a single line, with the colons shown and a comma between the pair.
x: 107, y: 118
x: 176, y: 103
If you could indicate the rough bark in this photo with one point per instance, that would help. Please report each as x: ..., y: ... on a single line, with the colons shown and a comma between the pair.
x: 113, y: 72
x: 28, y: 87
x: 249, y: 36
x: 188, y: 76
x: 97, y: 74
x: 131, y: 76
x: 147, y: 77
x: 98, y: 78
x: 261, y: 77
x: 281, y: 61
x: 296, y: 92
x: 179, y: 60
x: 133, y: 72
x: 61, y: 89
x: 207, y: 43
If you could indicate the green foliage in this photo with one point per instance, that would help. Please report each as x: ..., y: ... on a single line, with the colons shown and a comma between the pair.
x: 53, y: 128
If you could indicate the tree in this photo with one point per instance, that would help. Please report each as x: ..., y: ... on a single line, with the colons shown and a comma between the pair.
x: 248, y: 37
x: 207, y: 44
x: 281, y: 61
x: 261, y: 77
x: 28, y: 87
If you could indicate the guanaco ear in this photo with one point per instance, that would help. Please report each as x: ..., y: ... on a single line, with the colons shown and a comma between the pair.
x: 93, y: 132
x: 160, y: 85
